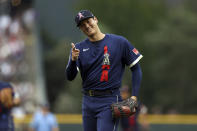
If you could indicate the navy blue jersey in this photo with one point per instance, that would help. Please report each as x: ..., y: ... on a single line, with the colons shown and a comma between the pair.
x: 102, y: 63
x: 4, y: 110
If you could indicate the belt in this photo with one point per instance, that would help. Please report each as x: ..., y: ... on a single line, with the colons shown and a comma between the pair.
x: 97, y: 92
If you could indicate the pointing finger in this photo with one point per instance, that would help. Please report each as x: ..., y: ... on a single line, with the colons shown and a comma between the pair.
x: 73, y: 46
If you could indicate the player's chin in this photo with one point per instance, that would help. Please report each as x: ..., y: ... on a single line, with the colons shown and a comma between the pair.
x: 90, y: 33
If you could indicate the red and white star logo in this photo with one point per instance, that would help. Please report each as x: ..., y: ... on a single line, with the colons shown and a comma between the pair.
x: 80, y: 15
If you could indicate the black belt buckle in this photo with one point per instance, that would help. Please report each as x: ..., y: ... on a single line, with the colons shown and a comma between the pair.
x: 91, y: 92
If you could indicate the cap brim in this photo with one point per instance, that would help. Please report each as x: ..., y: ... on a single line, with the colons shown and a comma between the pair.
x: 83, y: 20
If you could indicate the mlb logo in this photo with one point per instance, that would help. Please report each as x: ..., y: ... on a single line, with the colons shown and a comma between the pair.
x: 135, y: 51
x: 80, y: 15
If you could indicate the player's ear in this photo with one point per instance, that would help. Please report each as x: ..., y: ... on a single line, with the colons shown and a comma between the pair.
x: 95, y: 19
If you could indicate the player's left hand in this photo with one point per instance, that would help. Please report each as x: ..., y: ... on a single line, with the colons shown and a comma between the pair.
x: 125, y: 108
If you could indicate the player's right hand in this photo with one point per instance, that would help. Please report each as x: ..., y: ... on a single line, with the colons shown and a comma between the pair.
x: 75, y: 52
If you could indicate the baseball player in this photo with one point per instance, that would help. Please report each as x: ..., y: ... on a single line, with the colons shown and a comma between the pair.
x: 7, y: 101
x: 101, y: 60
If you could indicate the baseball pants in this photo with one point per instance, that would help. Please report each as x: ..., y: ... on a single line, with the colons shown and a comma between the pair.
x: 97, y: 114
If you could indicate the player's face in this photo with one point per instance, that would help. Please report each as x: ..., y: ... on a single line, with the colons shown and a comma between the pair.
x: 89, y: 26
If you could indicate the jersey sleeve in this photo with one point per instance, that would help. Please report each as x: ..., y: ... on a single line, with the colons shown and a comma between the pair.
x: 131, y: 55
x: 72, y: 68
x: 35, y: 120
x: 54, y: 121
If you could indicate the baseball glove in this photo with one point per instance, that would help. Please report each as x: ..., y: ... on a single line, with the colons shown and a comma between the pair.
x: 125, y: 108
x: 6, y: 98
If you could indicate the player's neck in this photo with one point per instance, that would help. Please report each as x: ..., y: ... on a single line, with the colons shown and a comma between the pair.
x: 97, y: 37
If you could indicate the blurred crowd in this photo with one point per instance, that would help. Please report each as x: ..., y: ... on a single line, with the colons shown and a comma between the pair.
x: 16, y: 25
x: 17, y: 63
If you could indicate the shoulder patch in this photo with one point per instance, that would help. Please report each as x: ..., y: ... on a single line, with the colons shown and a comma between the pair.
x: 135, y: 51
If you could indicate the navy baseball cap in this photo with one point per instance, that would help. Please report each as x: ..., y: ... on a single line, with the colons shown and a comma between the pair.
x: 82, y: 15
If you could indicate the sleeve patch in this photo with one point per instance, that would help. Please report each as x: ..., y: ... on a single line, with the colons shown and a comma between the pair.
x: 135, y: 51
